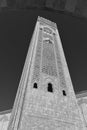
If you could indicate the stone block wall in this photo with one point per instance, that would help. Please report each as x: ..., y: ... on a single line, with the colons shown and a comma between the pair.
x: 5, y: 116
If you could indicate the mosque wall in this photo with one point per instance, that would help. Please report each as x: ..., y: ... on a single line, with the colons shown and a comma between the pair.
x: 82, y: 102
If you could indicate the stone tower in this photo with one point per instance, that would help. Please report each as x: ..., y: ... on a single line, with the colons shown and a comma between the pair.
x: 45, y: 98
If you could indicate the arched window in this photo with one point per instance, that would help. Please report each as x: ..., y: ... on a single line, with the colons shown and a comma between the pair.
x: 35, y: 85
x: 64, y: 92
x: 50, y: 87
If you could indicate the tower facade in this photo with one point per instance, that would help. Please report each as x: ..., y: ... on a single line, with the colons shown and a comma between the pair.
x: 45, y: 98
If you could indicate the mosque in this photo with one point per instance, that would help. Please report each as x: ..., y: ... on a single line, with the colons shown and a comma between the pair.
x: 45, y: 94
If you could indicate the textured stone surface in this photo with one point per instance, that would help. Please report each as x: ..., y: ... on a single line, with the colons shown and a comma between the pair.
x: 82, y: 102
x: 36, y: 108
x: 4, y: 120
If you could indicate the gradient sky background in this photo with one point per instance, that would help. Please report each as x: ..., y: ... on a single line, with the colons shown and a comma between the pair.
x: 16, y: 29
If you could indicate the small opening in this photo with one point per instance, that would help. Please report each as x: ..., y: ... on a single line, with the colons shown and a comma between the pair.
x: 48, y: 41
x: 35, y: 85
x: 50, y: 88
x: 64, y: 93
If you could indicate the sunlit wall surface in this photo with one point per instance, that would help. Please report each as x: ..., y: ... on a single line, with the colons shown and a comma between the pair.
x: 82, y: 101
x: 4, y: 120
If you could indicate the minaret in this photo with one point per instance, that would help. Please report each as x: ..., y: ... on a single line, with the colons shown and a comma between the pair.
x: 45, y: 98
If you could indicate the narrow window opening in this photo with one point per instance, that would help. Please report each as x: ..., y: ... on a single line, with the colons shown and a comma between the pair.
x: 35, y: 85
x: 64, y: 93
x: 50, y: 88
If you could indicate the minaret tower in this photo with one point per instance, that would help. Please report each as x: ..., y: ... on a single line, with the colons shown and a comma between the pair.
x: 45, y: 98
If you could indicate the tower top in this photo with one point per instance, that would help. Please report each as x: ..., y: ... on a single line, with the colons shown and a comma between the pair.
x: 47, y: 22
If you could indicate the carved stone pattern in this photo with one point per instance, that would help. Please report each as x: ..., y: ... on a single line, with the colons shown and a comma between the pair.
x: 36, y: 71
x: 59, y: 65
x: 45, y: 35
x: 48, y: 59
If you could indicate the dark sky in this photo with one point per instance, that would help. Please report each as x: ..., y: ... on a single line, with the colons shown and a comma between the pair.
x: 16, y: 28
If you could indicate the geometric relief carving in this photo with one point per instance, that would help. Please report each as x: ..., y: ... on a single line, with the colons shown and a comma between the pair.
x: 48, y: 59
x: 36, y: 69
x: 59, y: 64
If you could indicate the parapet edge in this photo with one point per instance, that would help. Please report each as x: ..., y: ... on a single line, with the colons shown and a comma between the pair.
x: 5, y: 112
x: 48, y: 22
